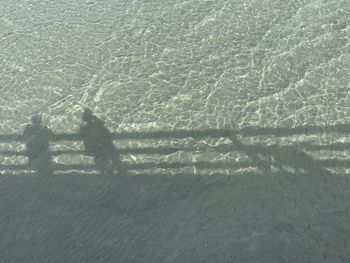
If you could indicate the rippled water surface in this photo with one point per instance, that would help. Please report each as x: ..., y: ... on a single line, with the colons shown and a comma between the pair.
x: 175, y: 131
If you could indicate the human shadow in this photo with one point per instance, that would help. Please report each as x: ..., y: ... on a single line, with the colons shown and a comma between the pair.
x: 98, y: 143
x: 36, y: 137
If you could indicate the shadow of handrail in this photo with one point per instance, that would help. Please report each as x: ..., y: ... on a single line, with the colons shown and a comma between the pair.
x: 280, y: 154
x: 215, y: 133
x: 197, y: 134
x: 171, y: 150
x: 283, y: 160
x: 145, y: 165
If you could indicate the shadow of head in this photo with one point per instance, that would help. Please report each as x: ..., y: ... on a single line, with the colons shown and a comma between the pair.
x: 36, y: 120
x: 87, y: 115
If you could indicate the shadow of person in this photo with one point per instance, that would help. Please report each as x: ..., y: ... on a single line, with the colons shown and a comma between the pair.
x: 36, y: 137
x: 98, y: 143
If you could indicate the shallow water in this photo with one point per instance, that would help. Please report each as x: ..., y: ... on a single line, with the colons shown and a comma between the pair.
x: 174, y: 131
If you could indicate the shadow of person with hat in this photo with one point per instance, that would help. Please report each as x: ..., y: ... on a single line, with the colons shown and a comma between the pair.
x: 98, y: 143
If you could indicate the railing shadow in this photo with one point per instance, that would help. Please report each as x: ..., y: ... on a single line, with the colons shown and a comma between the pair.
x: 98, y: 144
